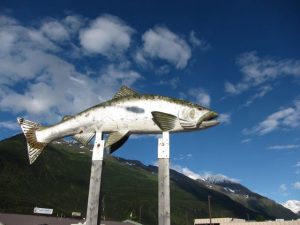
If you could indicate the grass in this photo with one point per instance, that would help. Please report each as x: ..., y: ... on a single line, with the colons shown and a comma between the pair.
x: 59, y: 179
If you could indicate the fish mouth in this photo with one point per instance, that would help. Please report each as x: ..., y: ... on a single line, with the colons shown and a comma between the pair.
x: 208, y: 120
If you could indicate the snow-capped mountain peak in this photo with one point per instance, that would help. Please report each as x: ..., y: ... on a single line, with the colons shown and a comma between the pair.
x: 218, y: 178
x: 293, y: 205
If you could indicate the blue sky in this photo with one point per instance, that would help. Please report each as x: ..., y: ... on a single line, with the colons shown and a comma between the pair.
x: 240, y: 58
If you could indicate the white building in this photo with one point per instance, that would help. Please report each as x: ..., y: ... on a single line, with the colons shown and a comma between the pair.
x: 234, y: 221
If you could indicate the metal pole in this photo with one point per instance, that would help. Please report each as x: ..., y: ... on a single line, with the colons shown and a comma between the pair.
x: 164, y: 180
x: 95, y: 181
x: 209, y: 209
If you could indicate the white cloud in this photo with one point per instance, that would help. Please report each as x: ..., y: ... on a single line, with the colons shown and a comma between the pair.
x: 173, y: 82
x: 225, y: 118
x: 106, y: 35
x: 201, y: 96
x: 196, y: 42
x: 55, y: 30
x: 296, y: 185
x: 245, y: 141
x: 297, y: 164
x: 293, y: 205
x: 11, y: 125
x: 284, y: 118
x: 141, y: 60
x: 50, y: 85
x: 162, y: 43
x: 162, y: 70
x: 262, y: 91
x: 183, y: 157
x: 60, y: 92
x: 283, y: 147
x: 187, y: 172
x: 73, y: 23
x: 231, y: 89
x: 283, y: 189
x: 40, y: 78
x: 21, y: 51
x: 258, y: 71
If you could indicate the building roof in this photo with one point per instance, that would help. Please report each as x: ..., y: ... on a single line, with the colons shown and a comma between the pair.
x: 235, y: 221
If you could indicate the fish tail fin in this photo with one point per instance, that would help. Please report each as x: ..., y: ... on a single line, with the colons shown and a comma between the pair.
x: 33, y: 146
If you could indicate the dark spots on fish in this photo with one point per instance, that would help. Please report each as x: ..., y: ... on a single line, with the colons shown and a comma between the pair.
x: 135, y: 109
x: 80, y: 132
x: 98, y: 145
x: 86, y: 115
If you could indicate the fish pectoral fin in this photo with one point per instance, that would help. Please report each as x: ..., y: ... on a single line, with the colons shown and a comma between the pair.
x: 85, y: 137
x: 164, y: 121
x: 116, y: 139
x: 125, y: 91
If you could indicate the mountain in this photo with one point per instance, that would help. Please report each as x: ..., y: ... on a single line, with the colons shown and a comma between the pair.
x: 59, y: 179
x: 293, y: 205
x: 228, y: 187
x: 247, y: 198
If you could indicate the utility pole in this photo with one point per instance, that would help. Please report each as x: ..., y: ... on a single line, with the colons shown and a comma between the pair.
x: 209, y: 209
x: 103, y: 207
x: 140, y: 220
x: 186, y: 218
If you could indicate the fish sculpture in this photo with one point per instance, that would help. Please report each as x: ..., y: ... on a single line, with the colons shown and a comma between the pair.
x: 128, y: 112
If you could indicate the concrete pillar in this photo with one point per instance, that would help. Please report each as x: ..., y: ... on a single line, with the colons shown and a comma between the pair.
x: 164, y: 180
x: 95, y: 181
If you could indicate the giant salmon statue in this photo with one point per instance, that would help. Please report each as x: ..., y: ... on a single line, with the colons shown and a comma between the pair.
x: 128, y: 112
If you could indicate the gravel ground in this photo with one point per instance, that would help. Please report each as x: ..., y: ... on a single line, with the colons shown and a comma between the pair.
x: 19, y: 219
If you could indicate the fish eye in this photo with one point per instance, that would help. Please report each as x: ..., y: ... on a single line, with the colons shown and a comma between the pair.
x: 199, y: 108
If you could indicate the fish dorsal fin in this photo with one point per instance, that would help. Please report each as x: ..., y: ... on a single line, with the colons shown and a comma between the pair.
x: 84, y: 137
x: 164, y: 121
x: 116, y: 139
x: 125, y: 91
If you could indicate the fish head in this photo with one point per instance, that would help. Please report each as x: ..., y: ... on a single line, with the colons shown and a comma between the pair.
x: 208, y: 119
x: 197, y: 117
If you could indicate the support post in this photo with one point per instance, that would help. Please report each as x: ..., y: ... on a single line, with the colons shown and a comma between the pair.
x: 164, y: 180
x: 209, y: 209
x: 95, y: 181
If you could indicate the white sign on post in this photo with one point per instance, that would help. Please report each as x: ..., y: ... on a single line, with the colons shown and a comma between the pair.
x: 42, y: 211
